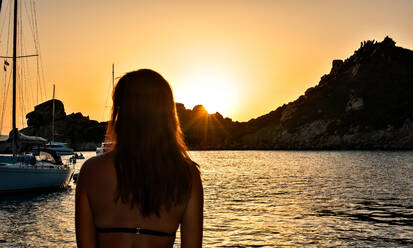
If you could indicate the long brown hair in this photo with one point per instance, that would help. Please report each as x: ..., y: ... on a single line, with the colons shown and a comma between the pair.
x: 153, y: 167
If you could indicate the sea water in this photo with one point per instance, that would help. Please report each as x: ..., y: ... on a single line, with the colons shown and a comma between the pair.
x: 262, y: 199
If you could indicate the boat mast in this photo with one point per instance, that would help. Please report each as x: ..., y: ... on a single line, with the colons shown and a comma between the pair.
x: 113, y: 76
x: 14, y: 131
x: 53, y: 115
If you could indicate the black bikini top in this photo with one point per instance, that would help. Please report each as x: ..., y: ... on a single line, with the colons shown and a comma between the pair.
x: 136, y: 231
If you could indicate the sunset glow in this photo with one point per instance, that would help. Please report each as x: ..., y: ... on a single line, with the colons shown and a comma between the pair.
x: 215, y: 90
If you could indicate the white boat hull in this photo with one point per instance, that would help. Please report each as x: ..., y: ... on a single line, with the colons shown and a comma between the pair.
x: 100, y: 150
x: 29, y: 179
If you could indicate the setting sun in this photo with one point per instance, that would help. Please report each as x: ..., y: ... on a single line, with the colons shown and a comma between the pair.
x: 215, y: 90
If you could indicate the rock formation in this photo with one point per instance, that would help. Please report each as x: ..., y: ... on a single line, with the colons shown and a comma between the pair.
x: 43, y: 113
x: 365, y: 102
x: 75, y: 129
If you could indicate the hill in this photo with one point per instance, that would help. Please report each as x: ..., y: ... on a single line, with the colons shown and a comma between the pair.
x: 365, y: 102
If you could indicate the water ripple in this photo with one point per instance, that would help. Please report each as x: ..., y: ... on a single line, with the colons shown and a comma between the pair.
x: 262, y: 199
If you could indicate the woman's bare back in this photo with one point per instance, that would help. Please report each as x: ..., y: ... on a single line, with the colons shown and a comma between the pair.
x: 98, y: 182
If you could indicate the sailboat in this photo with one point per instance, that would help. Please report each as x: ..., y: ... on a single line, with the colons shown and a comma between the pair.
x: 27, y: 172
x: 60, y: 148
x: 106, y: 145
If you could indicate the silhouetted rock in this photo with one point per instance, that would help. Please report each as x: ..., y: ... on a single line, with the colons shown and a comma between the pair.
x: 364, y: 103
x: 77, y: 130
x: 337, y: 63
x: 43, y: 113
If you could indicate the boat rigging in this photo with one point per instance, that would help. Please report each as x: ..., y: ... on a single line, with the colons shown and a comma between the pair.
x: 19, y: 36
x: 22, y: 171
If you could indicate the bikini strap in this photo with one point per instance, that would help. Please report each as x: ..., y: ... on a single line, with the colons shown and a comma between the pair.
x: 136, y: 231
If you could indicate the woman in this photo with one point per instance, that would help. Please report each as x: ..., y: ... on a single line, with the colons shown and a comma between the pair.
x: 138, y: 194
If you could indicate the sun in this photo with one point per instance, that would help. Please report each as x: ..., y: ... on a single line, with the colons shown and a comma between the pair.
x: 216, y: 91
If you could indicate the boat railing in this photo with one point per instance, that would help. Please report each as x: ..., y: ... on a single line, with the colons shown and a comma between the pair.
x: 40, y: 166
x: 30, y: 161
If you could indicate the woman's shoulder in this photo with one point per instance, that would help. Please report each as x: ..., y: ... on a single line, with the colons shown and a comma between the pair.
x: 96, y: 165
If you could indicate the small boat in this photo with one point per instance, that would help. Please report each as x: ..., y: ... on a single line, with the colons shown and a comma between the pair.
x: 60, y: 148
x: 75, y: 176
x: 104, y: 147
x: 75, y: 157
x: 79, y: 156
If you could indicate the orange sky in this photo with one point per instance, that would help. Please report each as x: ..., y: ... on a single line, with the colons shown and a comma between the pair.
x: 241, y: 58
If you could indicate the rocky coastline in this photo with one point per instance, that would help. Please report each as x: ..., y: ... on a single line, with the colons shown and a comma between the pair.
x: 364, y: 103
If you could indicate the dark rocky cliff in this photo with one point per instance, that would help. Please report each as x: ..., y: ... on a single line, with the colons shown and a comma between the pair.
x: 365, y: 102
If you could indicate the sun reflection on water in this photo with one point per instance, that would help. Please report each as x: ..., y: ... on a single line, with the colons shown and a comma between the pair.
x: 262, y: 199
